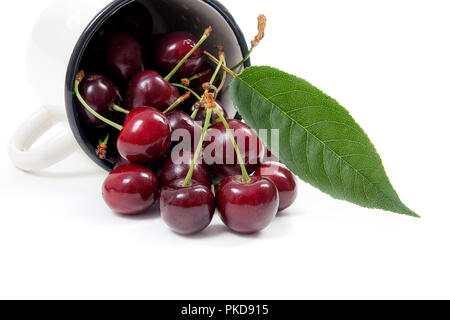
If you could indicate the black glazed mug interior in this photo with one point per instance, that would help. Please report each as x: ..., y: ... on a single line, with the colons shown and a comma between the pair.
x: 164, y: 16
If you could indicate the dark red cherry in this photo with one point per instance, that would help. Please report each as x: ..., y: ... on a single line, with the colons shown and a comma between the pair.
x: 247, y: 207
x: 124, y: 56
x: 184, y: 127
x: 177, y: 167
x: 100, y: 94
x: 148, y: 88
x: 172, y: 47
x: 219, y: 152
x: 187, y: 210
x: 201, y: 115
x: 131, y: 189
x: 145, y: 137
x: 283, y: 179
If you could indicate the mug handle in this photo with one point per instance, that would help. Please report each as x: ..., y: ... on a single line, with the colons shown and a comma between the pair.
x: 49, y: 153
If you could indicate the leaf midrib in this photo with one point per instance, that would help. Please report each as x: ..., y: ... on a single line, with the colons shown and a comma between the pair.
x: 315, y: 137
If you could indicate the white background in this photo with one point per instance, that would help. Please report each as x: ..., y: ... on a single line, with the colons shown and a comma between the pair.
x: 388, y: 62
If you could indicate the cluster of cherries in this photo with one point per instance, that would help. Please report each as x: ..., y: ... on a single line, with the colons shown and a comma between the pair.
x: 248, y: 190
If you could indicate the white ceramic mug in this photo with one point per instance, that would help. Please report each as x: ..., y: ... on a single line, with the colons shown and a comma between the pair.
x: 57, y: 45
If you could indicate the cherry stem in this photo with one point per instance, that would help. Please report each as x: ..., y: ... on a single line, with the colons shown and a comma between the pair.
x: 117, y: 108
x: 102, y: 148
x: 216, y: 91
x: 187, y: 89
x: 224, y: 78
x: 104, y: 142
x: 92, y: 111
x: 216, y: 61
x: 245, y: 176
x: 198, y: 75
x: 215, y: 123
x: 216, y: 72
x: 179, y: 101
x: 187, y: 181
x: 205, y: 36
x: 244, y: 60
x: 213, y: 78
x: 262, y: 22
x: 194, y: 114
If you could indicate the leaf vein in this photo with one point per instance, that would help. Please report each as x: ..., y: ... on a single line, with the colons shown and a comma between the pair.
x: 292, y: 147
x: 330, y: 122
x: 307, y: 157
x: 344, y: 140
x: 325, y: 169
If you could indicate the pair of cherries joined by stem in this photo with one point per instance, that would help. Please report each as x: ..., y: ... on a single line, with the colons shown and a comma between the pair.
x: 246, y: 204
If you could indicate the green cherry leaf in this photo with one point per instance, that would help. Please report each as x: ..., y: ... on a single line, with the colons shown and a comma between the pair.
x: 319, y: 140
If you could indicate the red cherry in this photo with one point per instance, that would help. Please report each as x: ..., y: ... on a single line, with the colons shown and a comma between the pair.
x: 177, y: 167
x: 100, y: 94
x: 225, y: 162
x: 145, y: 137
x: 187, y: 210
x: 247, y: 207
x: 148, y: 88
x: 172, y: 47
x: 124, y: 56
x: 181, y: 121
x: 283, y: 179
x: 131, y: 189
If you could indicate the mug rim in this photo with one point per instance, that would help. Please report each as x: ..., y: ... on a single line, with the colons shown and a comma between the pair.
x: 80, y: 48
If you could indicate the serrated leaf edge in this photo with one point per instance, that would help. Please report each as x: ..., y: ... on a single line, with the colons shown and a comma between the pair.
x: 405, y: 208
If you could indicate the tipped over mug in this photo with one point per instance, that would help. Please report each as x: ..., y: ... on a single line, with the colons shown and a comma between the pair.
x: 57, y: 46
